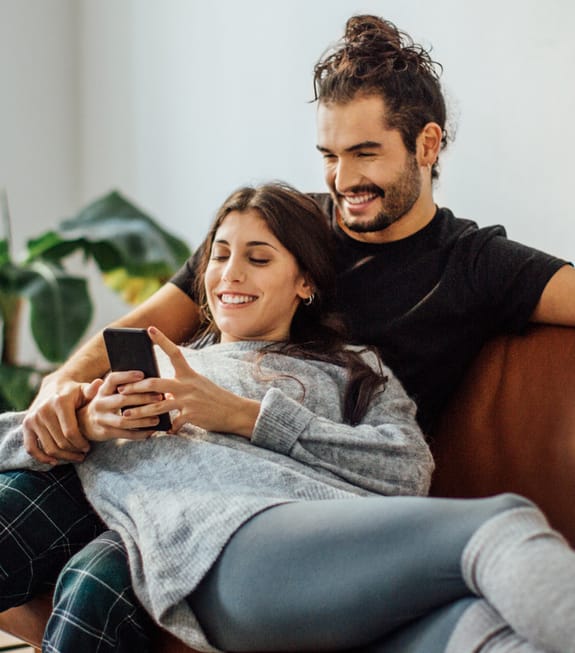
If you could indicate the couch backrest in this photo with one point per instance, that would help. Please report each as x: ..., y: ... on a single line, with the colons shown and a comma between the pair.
x: 511, y: 425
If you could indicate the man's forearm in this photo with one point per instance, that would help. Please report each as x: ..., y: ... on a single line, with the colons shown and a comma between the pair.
x: 169, y: 309
x: 86, y: 364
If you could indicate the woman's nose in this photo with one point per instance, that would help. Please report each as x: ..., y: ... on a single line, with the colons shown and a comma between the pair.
x: 233, y: 271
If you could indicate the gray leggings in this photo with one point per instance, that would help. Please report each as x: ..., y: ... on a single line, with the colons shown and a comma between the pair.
x: 373, y: 574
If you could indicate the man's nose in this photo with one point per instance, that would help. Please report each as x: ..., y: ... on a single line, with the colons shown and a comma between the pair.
x: 346, y: 176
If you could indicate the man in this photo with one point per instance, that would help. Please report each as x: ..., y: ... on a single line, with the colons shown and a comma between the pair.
x: 424, y: 287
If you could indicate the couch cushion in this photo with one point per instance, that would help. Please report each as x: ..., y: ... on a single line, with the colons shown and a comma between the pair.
x: 511, y: 425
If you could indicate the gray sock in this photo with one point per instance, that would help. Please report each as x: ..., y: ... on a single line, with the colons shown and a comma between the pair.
x: 526, y: 571
x: 482, y: 630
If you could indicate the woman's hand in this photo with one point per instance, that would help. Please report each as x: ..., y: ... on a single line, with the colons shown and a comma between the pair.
x: 102, y: 419
x: 194, y: 398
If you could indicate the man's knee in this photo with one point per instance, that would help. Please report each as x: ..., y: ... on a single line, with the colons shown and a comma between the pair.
x: 94, y: 604
x: 96, y: 577
x: 44, y: 517
x: 43, y: 520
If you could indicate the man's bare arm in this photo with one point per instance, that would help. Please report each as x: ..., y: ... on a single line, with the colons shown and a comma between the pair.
x: 557, y: 303
x: 51, y: 429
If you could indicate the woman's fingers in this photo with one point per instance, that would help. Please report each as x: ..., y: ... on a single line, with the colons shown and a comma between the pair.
x: 122, y: 389
x: 171, y: 350
x: 116, y: 379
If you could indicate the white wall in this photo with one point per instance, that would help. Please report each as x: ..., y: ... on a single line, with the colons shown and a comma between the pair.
x: 215, y: 94
x: 177, y: 102
x: 39, y: 155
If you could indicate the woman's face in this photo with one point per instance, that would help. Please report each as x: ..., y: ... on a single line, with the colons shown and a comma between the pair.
x: 253, y: 283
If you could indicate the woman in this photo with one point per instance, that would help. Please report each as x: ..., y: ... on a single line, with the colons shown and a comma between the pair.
x: 258, y: 526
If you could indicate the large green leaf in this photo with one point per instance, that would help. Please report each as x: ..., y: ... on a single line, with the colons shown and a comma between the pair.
x: 51, y: 247
x: 135, y: 253
x: 4, y: 252
x: 5, y: 228
x: 61, y: 310
x: 14, y: 278
x: 116, y: 234
x: 18, y: 385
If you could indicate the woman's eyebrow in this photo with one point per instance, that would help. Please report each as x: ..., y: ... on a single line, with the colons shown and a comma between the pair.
x: 257, y: 243
x: 250, y: 243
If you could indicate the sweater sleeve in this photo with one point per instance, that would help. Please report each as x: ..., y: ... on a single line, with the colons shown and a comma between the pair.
x: 386, y: 453
x: 12, y: 452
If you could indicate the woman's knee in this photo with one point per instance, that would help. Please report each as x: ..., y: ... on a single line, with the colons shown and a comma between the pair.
x: 505, y: 502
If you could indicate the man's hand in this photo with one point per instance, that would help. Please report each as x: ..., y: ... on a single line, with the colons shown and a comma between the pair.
x: 51, y: 431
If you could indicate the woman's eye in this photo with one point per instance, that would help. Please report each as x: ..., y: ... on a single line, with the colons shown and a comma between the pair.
x: 218, y: 257
x: 259, y: 261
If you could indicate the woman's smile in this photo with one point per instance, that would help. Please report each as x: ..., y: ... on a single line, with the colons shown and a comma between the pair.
x: 235, y: 299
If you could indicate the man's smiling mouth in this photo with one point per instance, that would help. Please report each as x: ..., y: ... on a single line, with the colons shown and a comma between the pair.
x: 363, y: 198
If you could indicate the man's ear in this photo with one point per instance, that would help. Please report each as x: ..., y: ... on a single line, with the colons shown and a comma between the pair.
x: 428, y: 144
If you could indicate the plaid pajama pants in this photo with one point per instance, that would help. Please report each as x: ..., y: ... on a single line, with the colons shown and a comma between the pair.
x: 51, y: 538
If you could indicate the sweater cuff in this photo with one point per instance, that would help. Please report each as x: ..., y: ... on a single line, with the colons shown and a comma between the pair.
x: 280, y: 422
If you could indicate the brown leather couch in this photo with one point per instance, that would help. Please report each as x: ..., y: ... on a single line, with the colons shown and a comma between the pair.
x: 509, y: 427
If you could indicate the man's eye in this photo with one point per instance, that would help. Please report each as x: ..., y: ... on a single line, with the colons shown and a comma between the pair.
x: 365, y: 155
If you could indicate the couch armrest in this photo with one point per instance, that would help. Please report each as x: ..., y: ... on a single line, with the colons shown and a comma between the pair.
x: 511, y: 425
x: 27, y: 622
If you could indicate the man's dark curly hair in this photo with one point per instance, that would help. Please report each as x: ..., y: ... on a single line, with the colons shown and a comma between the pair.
x: 375, y: 58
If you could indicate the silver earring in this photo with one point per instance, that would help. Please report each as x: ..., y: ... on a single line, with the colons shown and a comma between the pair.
x: 308, y: 301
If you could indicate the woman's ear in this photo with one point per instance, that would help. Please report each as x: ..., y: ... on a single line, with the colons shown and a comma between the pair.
x: 306, y: 289
x: 428, y: 144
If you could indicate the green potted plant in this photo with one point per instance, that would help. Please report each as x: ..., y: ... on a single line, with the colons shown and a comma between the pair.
x: 133, y: 252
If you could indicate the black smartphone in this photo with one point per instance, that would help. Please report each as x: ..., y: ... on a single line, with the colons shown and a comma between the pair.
x: 131, y: 349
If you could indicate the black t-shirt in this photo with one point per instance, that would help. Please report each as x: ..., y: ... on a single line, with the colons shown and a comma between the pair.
x: 428, y: 302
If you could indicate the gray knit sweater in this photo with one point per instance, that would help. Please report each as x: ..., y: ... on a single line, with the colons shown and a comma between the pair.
x: 177, y: 499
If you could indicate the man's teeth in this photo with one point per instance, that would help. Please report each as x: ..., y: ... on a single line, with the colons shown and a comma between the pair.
x: 237, y: 299
x: 360, y: 199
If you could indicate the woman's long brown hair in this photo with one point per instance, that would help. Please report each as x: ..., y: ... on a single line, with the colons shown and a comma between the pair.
x: 316, y: 331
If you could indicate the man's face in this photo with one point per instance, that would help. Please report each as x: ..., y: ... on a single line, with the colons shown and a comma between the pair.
x: 372, y: 177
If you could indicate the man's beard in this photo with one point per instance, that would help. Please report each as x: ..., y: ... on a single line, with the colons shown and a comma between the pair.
x: 398, y: 198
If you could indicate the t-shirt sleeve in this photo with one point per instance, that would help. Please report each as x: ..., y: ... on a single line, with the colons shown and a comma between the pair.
x: 510, y: 276
x: 184, y: 278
